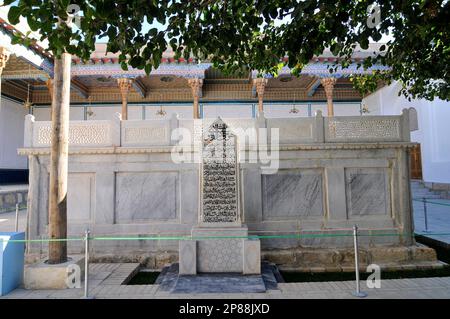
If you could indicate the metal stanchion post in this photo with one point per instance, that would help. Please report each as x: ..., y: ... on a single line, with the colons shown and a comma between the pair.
x: 86, y: 265
x: 16, y: 229
x: 358, y: 292
x: 425, y: 213
x: 40, y: 246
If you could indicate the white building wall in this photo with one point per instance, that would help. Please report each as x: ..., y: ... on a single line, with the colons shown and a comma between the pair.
x: 12, y: 116
x: 231, y: 110
x: 434, y: 129
x: 209, y: 110
x: 184, y: 111
x: 284, y: 110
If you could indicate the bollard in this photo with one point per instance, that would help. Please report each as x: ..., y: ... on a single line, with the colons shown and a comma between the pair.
x: 425, y: 213
x: 86, y: 265
x: 358, y: 292
x: 16, y: 229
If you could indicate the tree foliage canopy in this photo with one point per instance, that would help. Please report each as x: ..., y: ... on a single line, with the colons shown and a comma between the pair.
x: 256, y: 34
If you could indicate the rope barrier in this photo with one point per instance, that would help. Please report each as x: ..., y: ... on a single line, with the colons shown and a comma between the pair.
x: 424, y: 200
x: 188, y: 237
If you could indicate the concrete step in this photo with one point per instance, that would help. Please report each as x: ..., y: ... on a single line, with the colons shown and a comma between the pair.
x: 426, y: 192
x: 419, y: 190
x: 427, y: 197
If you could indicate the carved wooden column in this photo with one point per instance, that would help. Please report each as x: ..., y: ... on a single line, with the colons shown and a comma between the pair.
x: 124, y: 86
x: 196, y: 87
x: 49, y: 85
x: 328, y: 85
x: 260, y: 85
x: 4, y: 56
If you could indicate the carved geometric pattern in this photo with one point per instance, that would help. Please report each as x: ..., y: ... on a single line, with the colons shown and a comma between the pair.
x: 44, y: 135
x: 79, y: 134
x: 363, y: 129
x: 145, y: 135
x: 220, y: 255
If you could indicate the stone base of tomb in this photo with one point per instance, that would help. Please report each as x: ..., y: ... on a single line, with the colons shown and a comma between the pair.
x: 220, y: 250
x: 389, y: 258
x: 296, y: 259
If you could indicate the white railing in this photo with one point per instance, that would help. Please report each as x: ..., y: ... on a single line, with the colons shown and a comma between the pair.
x: 143, y: 133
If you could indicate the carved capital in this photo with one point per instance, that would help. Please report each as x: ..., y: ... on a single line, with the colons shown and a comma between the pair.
x: 196, y: 87
x: 260, y: 85
x: 328, y: 85
x: 124, y: 86
x: 4, y: 56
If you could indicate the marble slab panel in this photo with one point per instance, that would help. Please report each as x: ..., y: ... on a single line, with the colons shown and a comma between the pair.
x: 366, y: 191
x: 291, y: 131
x: 146, y: 196
x: 292, y: 194
x: 80, y: 199
x: 217, y: 250
x: 252, y: 257
x: 188, y: 257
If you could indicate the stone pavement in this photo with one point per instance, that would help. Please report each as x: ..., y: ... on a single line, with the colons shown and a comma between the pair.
x: 438, y: 214
x: 105, y: 282
x: 8, y: 221
x: 438, y: 218
x: 169, y: 280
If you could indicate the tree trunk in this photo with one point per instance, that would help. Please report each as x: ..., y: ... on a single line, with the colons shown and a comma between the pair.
x: 57, y: 250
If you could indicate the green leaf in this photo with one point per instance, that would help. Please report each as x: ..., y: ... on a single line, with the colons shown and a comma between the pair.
x: 364, y: 43
x: 32, y: 23
x: 148, y: 69
x: 14, y: 14
x: 153, y: 32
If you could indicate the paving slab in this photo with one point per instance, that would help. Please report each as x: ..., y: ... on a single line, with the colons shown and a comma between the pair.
x: 411, y: 288
x: 171, y: 282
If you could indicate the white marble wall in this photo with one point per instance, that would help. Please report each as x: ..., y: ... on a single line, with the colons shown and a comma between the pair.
x: 157, y: 132
x: 81, y: 197
x: 146, y: 196
x: 321, y: 186
x: 293, y: 194
x: 367, y: 191
x: 315, y: 191
x: 11, y: 134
